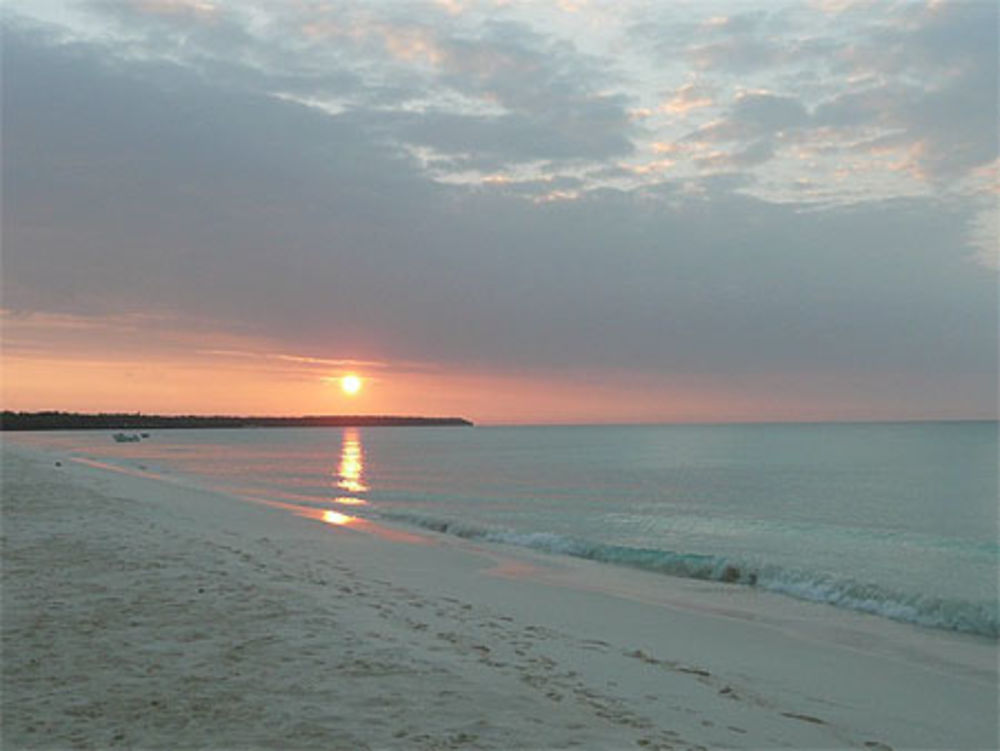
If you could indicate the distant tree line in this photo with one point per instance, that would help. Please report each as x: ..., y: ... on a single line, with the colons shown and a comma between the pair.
x: 134, y: 421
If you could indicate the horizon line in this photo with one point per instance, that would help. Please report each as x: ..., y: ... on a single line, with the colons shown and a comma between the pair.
x: 489, y: 423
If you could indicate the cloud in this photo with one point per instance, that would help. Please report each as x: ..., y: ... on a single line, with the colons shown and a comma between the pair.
x: 922, y: 76
x: 755, y: 122
x: 196, y: 9
x: 755, y: 115
x: 947, y: 132
x: 550, y: 92
x: 938, y: 90
x: 757, y: 40
x: 323, y: 235
x: 510, y: 138
x: 498, y: 86
x: 690, y: 96
x: 754, y: 154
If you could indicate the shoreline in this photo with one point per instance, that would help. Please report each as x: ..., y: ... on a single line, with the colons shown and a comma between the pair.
x: 215, y: 622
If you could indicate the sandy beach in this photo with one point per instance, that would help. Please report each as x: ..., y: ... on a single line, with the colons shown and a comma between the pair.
x: 145, y: 612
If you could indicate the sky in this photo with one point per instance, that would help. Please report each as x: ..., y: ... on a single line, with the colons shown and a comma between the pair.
x: 517, y: 212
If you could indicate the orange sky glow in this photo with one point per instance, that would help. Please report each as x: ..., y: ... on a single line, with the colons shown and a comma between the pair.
x: 111, y: 365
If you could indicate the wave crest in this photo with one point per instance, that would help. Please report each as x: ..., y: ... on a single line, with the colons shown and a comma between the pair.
x: 977, y: 618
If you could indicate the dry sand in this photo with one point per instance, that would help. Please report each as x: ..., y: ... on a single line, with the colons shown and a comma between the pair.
x: 151, y: 614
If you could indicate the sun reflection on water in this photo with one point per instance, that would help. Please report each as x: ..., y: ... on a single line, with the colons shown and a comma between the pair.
x: 350, y: 471
x: 344, y: 500
x: 338, y: 519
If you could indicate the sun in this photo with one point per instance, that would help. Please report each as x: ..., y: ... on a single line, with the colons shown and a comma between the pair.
x: 350, y: 384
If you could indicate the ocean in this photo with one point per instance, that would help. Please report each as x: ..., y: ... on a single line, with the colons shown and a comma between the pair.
x: 894, y: 519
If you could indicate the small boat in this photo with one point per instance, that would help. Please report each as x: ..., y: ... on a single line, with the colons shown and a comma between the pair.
x: 126, y: 438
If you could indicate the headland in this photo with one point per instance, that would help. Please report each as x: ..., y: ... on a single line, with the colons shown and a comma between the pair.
x: 135, y: 420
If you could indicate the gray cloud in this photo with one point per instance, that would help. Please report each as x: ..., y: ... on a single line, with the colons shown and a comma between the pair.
x: 755, y: 116
x: 924, y: 74
x: 757, y: 40
x: 181, y: 210
x: 550, y: 92
x: 523, y: 95
x: 504, y: 139
x: 754, y: 154
x: 941, y: 94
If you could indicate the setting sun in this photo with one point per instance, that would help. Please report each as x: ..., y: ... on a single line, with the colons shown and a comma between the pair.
x: 350, y: 384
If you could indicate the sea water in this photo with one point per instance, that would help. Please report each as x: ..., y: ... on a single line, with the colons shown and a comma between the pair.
x: 898, y: 520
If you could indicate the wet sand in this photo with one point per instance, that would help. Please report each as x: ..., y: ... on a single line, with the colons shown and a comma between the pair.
x: 145, y: 613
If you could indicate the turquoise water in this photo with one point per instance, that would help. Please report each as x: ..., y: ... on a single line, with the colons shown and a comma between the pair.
x: 898, y: 520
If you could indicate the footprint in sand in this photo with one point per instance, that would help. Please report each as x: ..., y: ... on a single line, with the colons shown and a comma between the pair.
x: 804, y: 718
x: 695, y: 671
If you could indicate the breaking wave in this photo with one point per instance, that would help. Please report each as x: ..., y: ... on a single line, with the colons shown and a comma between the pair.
x: 978, y: 618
